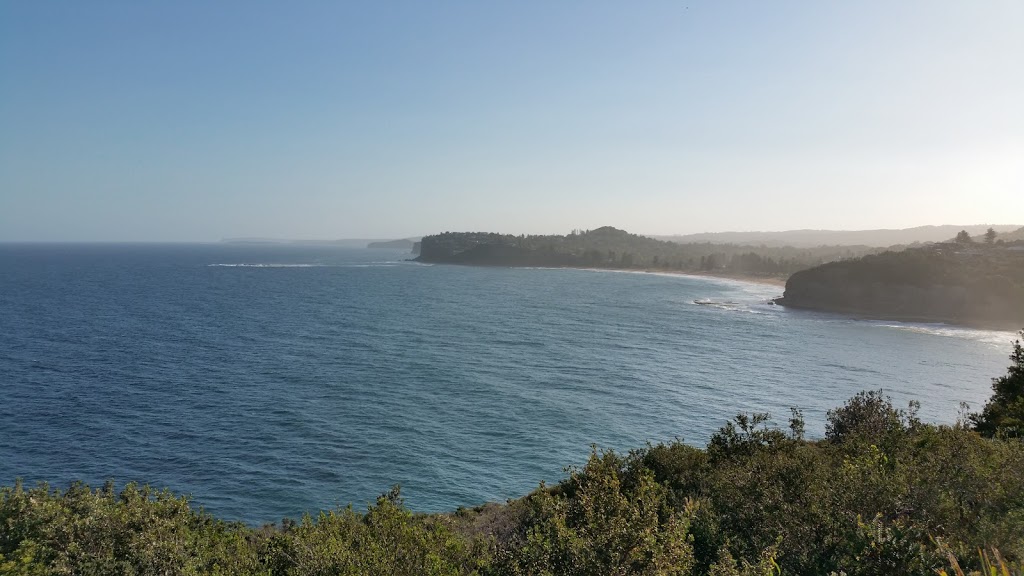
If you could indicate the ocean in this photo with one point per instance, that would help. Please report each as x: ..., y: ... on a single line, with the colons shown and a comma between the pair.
x: 267, y: 381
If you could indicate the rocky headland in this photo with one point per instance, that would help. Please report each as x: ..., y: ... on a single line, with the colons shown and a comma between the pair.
x: 966, y: 284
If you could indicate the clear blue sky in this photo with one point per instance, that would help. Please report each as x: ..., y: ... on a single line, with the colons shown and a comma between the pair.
x: 201, y: 120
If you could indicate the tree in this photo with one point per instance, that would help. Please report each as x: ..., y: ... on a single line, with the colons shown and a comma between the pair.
x: 963, y: 237
x: 868, y: 413
x: 1003, y: 415
x: 990, y: 236
x: 602, y: 520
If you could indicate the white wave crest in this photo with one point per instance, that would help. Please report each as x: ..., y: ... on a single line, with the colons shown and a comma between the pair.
x: 268, y: 265
x: 994, y: 337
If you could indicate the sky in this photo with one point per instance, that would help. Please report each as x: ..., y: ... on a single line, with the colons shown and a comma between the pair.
x: 196, y: 121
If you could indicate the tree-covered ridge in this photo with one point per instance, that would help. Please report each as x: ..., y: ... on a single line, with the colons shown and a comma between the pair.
x: 964, y: 283
x: 882, y: 493
x: 609, y: 247
x: 990, y: 236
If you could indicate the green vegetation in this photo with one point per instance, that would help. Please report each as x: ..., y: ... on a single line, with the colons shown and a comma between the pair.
x: 962, y: 283
x: 1003, y: 415
x: 882, y: 493
x: 611, y: 248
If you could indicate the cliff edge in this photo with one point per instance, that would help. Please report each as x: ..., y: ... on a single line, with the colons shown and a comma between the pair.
x: 971, y: 285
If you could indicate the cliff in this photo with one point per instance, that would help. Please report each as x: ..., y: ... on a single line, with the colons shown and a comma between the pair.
x: 971, y: 285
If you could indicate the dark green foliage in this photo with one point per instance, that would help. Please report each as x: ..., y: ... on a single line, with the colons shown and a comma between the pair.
x: 139, y: 531
x: 605, y: 519
x: 726, y: 565
x: 608, y: 247
x: 388, y: 539
x: 744, y: 436
x: 963, y: 237
x: 868, y: 413
x: 1004, y: 413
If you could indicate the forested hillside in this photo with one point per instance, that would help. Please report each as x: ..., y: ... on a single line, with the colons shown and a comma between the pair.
x: 612, y: 248
x: 964, y: 283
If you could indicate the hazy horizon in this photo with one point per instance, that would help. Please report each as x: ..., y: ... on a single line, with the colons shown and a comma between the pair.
x: 192, y: 122
x: 1003, y: 228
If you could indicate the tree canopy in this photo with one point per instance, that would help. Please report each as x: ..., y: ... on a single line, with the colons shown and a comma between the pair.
x: 609, y: 247
x: 1003, y: 415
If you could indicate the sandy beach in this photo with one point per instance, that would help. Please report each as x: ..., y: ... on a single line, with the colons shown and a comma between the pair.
x: 767, y: 280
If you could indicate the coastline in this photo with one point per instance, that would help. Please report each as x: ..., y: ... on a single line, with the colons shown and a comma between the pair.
x: 957, y: 322
x: 750, y: 279
x: 766, y: 280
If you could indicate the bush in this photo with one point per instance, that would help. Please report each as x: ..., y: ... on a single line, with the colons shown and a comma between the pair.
x: 1003, y: 415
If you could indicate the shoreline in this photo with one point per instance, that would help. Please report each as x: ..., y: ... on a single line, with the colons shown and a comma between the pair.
x: 953, y: 322
x: 780, y: 283
x: 749, y: 278
x: 763, y: 280
x: 766, y: 280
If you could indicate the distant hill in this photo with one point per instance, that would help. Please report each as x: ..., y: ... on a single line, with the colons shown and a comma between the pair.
x: 808, y: 238
x: 400, y: 244
x: 1012, y: 236
x: 340, y: 243
x: 609, y: 247
x: 968, y: 284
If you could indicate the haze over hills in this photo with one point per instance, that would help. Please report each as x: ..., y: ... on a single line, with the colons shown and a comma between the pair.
x: 340, y: 242
x: 401, y: 244
x: 809, y: 238
x: 882, y: 238
x: 1014, y: 236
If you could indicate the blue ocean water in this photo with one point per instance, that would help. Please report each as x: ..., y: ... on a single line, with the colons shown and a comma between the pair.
x: 268, y: 381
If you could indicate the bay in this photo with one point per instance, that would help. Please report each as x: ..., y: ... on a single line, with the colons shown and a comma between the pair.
x: 271, y: 380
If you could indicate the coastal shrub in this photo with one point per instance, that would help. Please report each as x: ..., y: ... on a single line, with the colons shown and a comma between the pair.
x: 387, y: 539
x: 1003, y: 415
x: 868, y: 413
x: 137, y: 531
x: 872, y: 498
x: 601, y: 521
